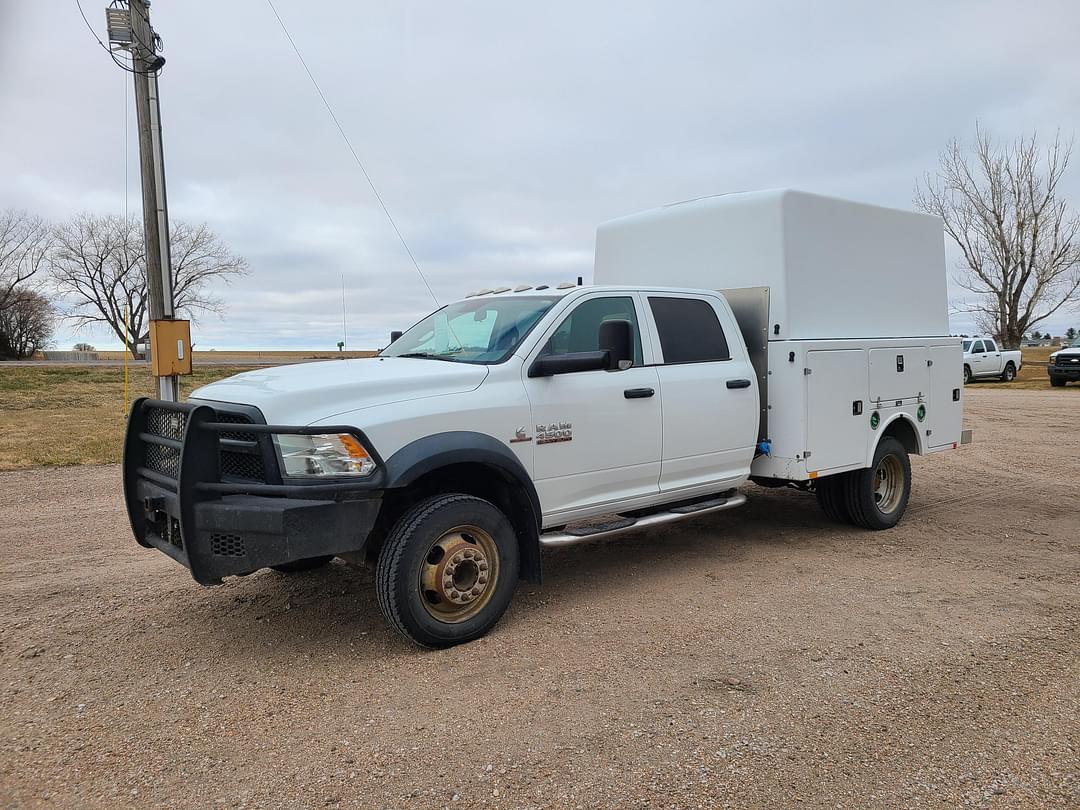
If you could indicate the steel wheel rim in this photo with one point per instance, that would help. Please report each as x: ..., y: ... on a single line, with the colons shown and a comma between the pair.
x: 458, y: 574
x: 888, y: 484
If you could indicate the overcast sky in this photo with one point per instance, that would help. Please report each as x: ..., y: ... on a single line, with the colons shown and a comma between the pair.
x: 500, y: 134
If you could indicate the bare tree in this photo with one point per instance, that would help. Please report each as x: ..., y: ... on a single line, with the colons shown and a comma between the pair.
x: 1003, y: 207
x: 98, y: 264
x: 26, y: 324
x: 24, y: 247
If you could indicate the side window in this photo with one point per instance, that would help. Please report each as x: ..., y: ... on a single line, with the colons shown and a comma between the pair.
x: 991, y: 346
x: 977, y: 348
x: 689, y: 330
x: 580, y: 330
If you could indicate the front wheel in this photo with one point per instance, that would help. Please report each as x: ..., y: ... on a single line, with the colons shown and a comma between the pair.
x: 1009, y: 374
x: 448, y: 570
x: 967, y: 374
x: 877, y: 496
x: 1057, y: 382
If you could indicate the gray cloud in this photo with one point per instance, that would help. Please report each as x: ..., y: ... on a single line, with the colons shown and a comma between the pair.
x: 499, y: 134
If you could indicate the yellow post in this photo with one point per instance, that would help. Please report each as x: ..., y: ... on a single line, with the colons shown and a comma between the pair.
x: 125, y: 359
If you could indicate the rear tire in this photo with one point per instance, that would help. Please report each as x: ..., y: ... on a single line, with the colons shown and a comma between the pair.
x: 877, y: 496
x: 1009, y: 374
x: 297, y: 566
x: 830, y: 497
x: 448, y: 570
x: 1057, y: 383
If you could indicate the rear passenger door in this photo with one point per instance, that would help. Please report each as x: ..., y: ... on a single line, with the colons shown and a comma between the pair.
x: 709, y: 399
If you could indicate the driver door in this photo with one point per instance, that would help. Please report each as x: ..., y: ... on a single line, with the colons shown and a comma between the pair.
x: 597, y: 433
x: 978, y: 359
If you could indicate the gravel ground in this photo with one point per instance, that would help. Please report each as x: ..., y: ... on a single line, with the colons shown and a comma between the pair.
x: 759, y: 658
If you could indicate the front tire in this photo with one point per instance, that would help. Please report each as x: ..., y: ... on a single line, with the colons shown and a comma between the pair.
x: 877, y: 496
x: 1057, y: 382
x: 967, y: 373
x: 1009, y: 374
x: 448, y: 570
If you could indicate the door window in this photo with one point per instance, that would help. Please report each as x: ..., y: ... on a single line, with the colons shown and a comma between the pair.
x: 991, y: 346
x: 689, y: 330
x: 580, y: 330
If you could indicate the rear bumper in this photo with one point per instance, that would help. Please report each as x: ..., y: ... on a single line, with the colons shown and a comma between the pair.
x: 179, y: 502
x: 1071, y: 374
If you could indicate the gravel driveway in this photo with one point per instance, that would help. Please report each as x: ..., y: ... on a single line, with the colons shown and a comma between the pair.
x: 757, y: 658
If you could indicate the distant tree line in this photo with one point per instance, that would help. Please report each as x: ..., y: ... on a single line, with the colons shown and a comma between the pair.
x: 90, y: 270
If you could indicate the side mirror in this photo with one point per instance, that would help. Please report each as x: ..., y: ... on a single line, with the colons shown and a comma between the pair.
x: 547, y: 365
x: 395, y: 335
x: 617, y: 339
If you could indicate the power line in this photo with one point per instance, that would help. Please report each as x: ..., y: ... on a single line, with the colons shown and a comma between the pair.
x: 356, y: 157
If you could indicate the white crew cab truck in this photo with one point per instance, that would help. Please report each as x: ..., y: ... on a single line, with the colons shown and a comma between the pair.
x: 806, y: 345
x: 983, y: 358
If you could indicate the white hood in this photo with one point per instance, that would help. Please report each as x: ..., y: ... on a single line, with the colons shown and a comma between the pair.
x: 308, y: 392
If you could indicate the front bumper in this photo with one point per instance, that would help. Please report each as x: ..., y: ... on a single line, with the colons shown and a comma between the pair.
x: 181, y: 502
x: 1070, y: 373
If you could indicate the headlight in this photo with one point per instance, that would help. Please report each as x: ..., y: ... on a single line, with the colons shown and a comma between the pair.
x: 323, y: 454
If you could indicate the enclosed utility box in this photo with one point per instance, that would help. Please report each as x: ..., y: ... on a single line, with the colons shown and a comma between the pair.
x: 843, y: 306
x: 834, y: 268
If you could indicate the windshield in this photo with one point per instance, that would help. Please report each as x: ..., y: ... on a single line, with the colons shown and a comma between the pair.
x: 477, y: 330
x: 967, y: 345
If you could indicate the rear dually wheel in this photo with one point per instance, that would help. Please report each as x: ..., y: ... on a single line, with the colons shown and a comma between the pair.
x: 876, y: 497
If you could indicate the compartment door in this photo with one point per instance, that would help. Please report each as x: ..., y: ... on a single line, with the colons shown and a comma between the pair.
x: 837, y: 411
x: 944, y: 414
x: 899, y: 373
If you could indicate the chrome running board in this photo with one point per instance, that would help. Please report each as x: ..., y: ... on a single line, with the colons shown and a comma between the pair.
x: 569, y: 537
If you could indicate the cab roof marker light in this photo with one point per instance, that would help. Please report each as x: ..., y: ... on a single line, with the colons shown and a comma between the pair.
x: 522, y: 288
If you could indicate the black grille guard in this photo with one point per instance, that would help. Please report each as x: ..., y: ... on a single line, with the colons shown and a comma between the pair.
x: 181, y: 463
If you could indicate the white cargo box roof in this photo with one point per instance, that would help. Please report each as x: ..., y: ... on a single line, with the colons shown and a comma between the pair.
x: 834, y: 269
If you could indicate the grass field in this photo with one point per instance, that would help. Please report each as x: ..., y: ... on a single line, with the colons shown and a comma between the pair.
x: 70, y: 415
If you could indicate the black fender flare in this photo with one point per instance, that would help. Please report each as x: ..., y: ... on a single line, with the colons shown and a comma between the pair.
x: 431, y: 453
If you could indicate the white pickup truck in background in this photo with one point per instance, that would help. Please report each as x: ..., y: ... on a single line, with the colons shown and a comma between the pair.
x: 806, y: 346
x: 983, y: 358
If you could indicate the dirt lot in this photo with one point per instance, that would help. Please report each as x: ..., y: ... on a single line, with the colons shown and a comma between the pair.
x: 754, y: 659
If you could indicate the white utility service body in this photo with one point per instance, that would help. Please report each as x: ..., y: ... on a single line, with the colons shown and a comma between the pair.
x: 840, y: 303
x: 805, y: 345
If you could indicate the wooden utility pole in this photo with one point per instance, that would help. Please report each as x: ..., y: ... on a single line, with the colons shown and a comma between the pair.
x: 145, y: 64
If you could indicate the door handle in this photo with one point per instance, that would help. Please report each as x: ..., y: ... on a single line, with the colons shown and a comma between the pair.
x: 738, y: 383
x: 638, y: 393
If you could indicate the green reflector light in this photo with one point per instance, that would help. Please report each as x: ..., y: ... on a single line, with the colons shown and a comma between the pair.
x: 921, y: 413
x: 875, y: 420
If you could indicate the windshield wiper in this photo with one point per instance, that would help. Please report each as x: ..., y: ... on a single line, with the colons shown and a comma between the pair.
x: 426, y: 356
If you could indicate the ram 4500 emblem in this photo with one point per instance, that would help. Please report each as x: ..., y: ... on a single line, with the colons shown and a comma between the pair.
x: 555, y: 432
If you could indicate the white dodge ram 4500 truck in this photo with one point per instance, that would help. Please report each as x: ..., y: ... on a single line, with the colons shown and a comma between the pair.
x: 807, y: 345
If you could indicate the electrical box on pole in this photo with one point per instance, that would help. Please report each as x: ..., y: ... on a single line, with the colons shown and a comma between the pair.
x: 130, y: 30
